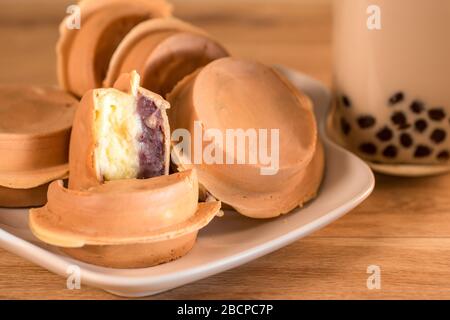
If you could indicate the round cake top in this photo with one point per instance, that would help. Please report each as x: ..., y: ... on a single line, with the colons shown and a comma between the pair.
x: 232, y: 93
x: 156, y: 43
x: 35, y: 110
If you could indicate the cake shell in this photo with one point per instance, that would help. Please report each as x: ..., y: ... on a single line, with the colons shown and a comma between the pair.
x: 35, y: 126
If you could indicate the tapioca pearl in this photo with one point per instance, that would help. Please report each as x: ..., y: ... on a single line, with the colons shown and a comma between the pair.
x: 399, y: 119
x: 422, y: 151
x: 417, y: 106
x: 390, y: 151
x: 443, y: 155
x: 406, y: 140
x: 346, y: 101
x: 366, y: 122
x: 368, y: 148
x: 421, y: 125
x: 436, y: 114
x: 385, y: 134
x: 396, y: 98
x: 345, y: 127
x: 438, y: 136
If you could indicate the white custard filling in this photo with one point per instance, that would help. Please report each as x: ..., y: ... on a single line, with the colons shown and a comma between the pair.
x: 117, y: 128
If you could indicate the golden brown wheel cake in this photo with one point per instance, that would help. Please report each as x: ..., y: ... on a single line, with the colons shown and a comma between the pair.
x: 35, y: 124
x: 122, y: 209
x: 84, y: 53
x: 163, y: 51
x: 125, y: 223
x: 235, y: 94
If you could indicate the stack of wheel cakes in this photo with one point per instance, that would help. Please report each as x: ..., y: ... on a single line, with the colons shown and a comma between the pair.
x: 132, y: 199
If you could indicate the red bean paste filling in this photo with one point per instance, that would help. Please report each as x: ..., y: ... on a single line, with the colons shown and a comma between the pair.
x: 152, y: 152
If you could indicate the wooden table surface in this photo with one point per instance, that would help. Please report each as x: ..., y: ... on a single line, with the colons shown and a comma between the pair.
x: 404, y: 227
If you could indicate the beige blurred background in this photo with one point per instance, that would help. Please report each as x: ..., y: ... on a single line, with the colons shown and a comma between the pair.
x: 272, y: 31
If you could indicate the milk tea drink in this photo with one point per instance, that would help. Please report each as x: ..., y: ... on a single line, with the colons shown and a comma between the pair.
x: 392, y: 80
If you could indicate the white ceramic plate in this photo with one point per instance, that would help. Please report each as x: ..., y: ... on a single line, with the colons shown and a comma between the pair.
x: 229, y: 241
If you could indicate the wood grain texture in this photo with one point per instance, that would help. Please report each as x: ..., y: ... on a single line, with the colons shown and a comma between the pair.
x: 404, y: 227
